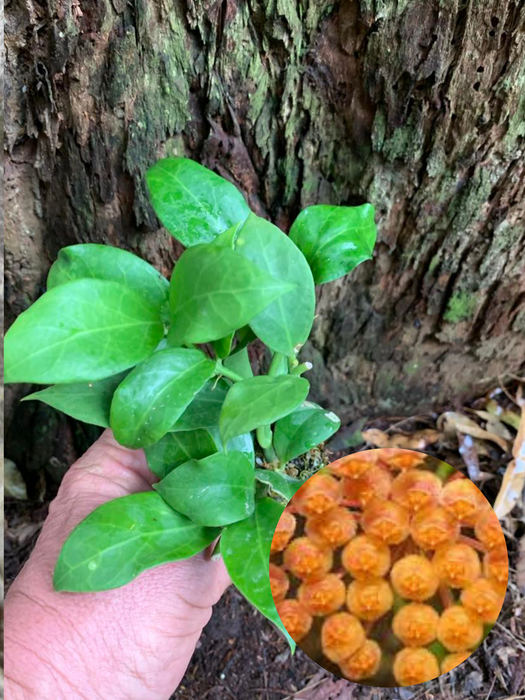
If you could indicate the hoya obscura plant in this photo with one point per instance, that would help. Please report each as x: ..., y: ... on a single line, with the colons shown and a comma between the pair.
x: 121, y: 347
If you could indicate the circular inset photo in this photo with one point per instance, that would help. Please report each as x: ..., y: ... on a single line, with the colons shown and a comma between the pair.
x: 388, y: 567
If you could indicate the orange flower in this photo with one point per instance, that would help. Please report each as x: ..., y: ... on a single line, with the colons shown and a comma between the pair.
x: 416, y: 489
x: 279, y: 583
x: 414, y: 665
x: 364, y: 663
x: 464, y: 500
x: 369, y: 599
x: 432, y: 527
x: 402, y: 459
x: 318, y: 495
x: 322, y: 597
x: 386, y: 520
x: 484, y: 598
x: 354, y: 466
x: 414, y: 577
x: 415, y: 624
x: 488, y: 530
x: 459, y: 629
x: 366, y: 556
x: 453, y: 660
x: 341, y: 636
x: 283, y: 532
x: 332, y: 529
x: 496, y: 567
x: 376, y: 483
x: 458, y: 565
x: 295, y: 618
x: 305, y: 559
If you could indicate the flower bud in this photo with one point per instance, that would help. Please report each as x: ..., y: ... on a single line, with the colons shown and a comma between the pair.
x: 294, y: 617
x: 463, y: 500
x: 376, y: 483
x: 453, y: 660
x: 332, y: 529
x: 414, y: 665
x: 364, y: 663
x: 416, y: 489
x: 484, y: 598
x: 324, y: 596
x: 283, y: 532
x: 369, y: 599
x: 415, y: 624
x: 317, y: 495
x: 432, y: 527
x: 459, y: 629
x: 365, y: 557
x: 341, y: 636
x: 279, y: 583
x: 402, y: 459
x: 496, y: 567
x: 305, y: 559
x: 488, y: 530
x: 354, y: 466
x: 414, y: 577
x: 457, y: 565
x: 386, y: 520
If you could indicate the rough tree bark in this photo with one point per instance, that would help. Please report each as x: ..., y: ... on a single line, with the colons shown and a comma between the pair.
x: 418, y: 107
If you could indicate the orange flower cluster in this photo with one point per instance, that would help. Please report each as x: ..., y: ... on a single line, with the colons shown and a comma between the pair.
x: 392, y: 559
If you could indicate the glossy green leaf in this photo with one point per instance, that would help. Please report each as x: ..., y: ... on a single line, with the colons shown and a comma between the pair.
x: 335, y: 239
x: 287, y: 321
x: 205, y: 409
x: 151, y: 398
x: 192, y: 202
x: 303, y: 429
x: 122, y: 538
x: 81, y: 331
x: 239, y: 443
x: 260, y: 401
x: 176, y: 448
x: 284, y: 485
x: 245, y: 547
x: 86, y: 401
x: 223, y: 346
x: 214, y: 491
x: 214, y: 291
x: 239, y: 362
x: 104, y: 262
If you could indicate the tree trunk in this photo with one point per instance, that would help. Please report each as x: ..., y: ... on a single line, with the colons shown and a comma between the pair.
x: 417, y: 107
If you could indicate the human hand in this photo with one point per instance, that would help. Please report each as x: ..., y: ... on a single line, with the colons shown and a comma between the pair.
x: 129, y: 643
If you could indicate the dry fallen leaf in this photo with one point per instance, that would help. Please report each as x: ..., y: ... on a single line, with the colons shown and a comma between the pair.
x: 509, y: 417
x: 14, y: 485
x: 494, y: 425
x: 452, y: 422
x: 514, y: 478
x: 416, y: 441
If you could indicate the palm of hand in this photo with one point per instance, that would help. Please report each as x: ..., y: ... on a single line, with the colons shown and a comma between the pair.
x: 131, y: 642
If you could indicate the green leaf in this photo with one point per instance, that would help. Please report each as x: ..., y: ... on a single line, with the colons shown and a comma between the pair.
x: 284, y: 485
x: 104, y: 262
x: 217, y: 490
x: 122, y: 538
x: 223, y: 346
x: 214, y: 291
x: 287, y: 321
x: 245, y: 547
x: 176, y: 448
x: 239, y: 362
x: 156, y: 393
x: 81, y: 331
x: 192, y: 202
x: 303, y: 429
x: 86, y: 401
x: 205, y: 409
x: 335, y: 239
x: 260, y: 401
x: 239, y: 443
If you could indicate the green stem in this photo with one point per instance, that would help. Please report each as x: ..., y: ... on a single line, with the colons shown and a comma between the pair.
x: 275, y: 364
x: 301, y: 369
x: 225, y: 372
x: 264, y: 436
x: 269, y: 454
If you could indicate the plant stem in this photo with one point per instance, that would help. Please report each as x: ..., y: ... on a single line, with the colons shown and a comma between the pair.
x: 270, y: 455
x: 264, y: 436
x: 225, y: 372
x: 274, y: 364
x: 302, y: 368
